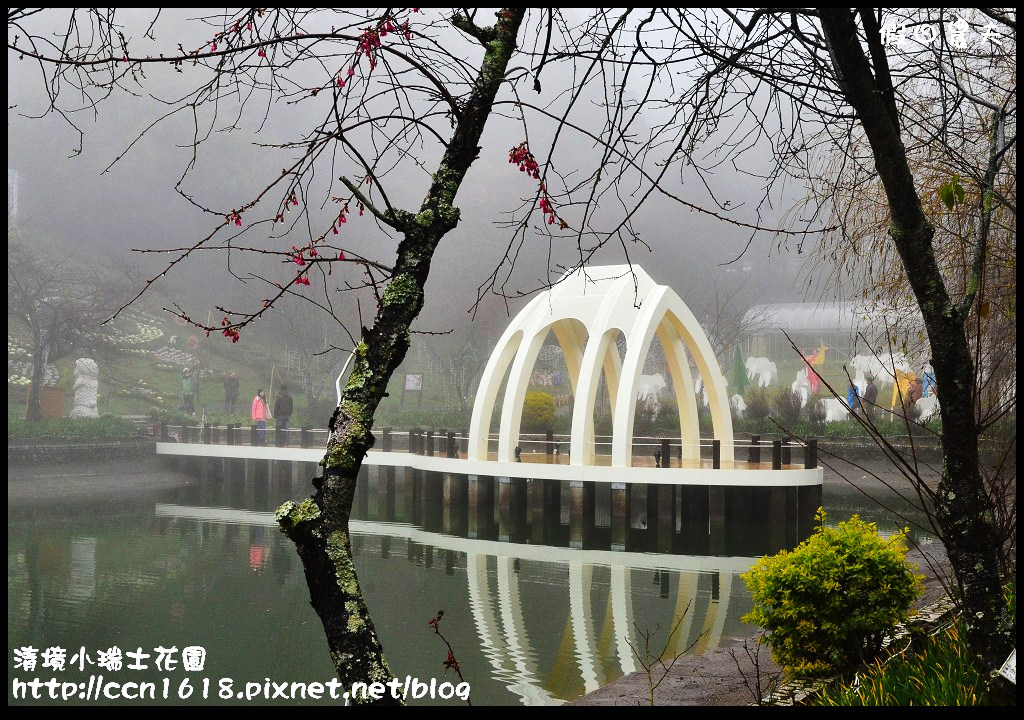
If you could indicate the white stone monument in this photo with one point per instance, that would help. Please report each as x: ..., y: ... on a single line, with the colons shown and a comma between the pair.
x: 86, y: 383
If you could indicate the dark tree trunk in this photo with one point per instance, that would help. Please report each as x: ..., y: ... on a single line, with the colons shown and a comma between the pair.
x: 319, y: 525
x: 34, y: 412
x: 964, y: 510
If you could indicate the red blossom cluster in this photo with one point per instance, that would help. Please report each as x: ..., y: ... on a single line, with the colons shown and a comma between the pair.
x: 229, y: 331
x: 451, y: 662
x: 521, y: 156
x: 336, y: 225
x: 549, y: 212
x: 235, y: 217
x: 289, y: 202
x: 302, y: 280
x: 369, y: 41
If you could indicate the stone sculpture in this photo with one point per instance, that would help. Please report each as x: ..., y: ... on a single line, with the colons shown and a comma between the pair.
x: 86, y: 384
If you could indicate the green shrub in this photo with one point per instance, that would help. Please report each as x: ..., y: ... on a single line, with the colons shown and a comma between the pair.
x: 939, y: 672
x: 538, y: 412
x: 105, y: 426
x: 646, y: 413
x: 828, y: 604
x: 816, y: 413
x: 757, y: 404
x: 787, y: 406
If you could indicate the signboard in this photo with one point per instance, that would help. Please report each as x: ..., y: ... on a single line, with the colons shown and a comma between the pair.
x: 413, y: 383
x: 1009, y: 668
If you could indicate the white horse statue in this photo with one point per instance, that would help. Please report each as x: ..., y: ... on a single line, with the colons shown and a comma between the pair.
x: 802, y: 386
x: 648, y: 391
x: 649, y: 387
x: 835, y: 410
x: 698, y: 389
x: 738, y: 405
x: 763, y: 369
x: 929, y: 407
x: 882, y: 368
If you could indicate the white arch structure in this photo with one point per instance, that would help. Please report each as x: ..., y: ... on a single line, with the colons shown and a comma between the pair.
x: 586, y: 311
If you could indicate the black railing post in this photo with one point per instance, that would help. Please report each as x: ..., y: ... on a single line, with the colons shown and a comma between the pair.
x: 304, y: 437
x: 207, y: 434
x: 385, y: 439
x: 451, y: 446
x: 666, y: 454
x: 754, y: 455
x: 254, y: 439
x: 430, y: 443
x: 811, y: 455
x: 776, y: 454
x: 786, y: 451
x: 716, y: 454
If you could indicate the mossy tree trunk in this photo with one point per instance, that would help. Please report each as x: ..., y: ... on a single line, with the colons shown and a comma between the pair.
x: 964, y: 509
x: 319, y: 526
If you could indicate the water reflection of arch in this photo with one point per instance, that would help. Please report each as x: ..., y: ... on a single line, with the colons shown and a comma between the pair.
x: 501, y: 625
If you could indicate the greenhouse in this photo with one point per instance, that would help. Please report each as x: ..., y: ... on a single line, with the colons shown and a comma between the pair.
x: 830, y: 331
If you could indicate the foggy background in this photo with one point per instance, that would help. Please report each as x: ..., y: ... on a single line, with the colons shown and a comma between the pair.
x: 96, y: 212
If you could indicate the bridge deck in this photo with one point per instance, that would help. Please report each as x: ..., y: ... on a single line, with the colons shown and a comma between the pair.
x: 535, y: 466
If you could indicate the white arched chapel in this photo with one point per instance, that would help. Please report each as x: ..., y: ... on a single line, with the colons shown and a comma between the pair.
x: 586, y: 310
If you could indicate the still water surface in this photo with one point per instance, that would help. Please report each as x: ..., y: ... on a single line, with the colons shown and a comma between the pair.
x: 204, y: 565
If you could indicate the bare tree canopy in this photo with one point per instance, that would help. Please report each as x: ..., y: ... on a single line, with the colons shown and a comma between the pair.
x: 604, y: 114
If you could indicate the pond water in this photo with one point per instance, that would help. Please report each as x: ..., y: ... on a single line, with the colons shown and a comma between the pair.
x: 534, y: 617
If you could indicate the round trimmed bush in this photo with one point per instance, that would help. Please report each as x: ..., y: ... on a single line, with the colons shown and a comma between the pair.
x: 538, y: 412
x: 827, y: 605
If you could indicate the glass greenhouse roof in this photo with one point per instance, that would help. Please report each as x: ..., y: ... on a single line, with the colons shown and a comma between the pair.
x: 823, y: 317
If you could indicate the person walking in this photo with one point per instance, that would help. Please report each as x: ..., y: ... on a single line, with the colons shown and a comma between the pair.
x: 282, y: 415
x: 188, y: 392
x: 853, y: 398
x: 914, y: 393
x: 230, y: 393
x: 260, y: 414
x: 870, y: 397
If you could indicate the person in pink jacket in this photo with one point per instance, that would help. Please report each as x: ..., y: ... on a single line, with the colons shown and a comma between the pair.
x: 260, y: 414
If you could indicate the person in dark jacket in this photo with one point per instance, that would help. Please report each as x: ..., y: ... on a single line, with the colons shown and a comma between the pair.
x: 870, y: 398
x: 282, y: 413
x: 230, y: 393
